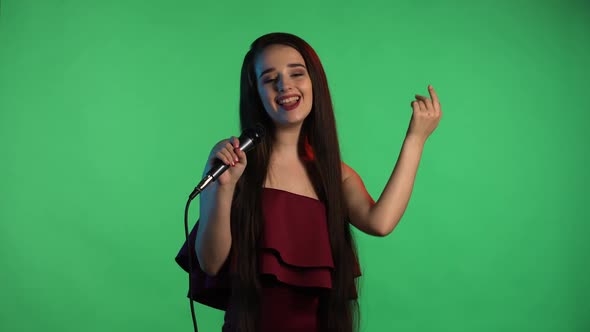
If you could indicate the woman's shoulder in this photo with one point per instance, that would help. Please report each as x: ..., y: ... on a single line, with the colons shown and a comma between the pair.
x: 347, y: 171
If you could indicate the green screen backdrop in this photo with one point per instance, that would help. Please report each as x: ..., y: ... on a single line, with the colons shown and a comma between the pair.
x: 108, y: 110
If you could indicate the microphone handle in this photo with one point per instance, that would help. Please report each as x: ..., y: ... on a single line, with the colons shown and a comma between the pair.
x: 246, y: 144
x: 219, y: 168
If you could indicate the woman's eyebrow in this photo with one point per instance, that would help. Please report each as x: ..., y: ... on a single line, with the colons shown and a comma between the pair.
x: 291, y: 65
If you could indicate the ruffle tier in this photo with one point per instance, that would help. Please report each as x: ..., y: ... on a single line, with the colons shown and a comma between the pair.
x: 295, y: 247
x: 295, y: 250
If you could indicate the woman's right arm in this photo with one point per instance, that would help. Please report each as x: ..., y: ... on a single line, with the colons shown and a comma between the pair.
x: 213, y: 240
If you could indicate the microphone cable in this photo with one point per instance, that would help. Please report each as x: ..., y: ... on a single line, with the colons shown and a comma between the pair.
x: 248, y: 139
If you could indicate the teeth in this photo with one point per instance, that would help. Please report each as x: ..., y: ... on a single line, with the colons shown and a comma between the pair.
x: 288, y: 100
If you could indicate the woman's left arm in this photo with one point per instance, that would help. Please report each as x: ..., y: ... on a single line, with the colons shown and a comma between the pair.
x: 380, y: 218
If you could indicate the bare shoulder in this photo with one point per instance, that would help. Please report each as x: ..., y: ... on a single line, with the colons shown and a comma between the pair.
x: 351, y: 181
x: 347, y: 172
x: 358, y: 200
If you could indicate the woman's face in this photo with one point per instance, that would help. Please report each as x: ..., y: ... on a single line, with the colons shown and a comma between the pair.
x: 284, y: 85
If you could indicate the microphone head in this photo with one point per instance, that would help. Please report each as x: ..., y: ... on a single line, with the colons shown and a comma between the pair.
x: 255, y: 134
x: 251, y: 136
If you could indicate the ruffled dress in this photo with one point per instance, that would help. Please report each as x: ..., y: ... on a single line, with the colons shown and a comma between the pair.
x: 295, y: 265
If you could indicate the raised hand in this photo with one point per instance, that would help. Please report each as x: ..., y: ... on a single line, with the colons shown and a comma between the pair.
x: 227, y: 151
x: 426, y: 115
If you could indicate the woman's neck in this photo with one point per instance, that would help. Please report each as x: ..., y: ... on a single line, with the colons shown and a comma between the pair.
x: 286, y: 143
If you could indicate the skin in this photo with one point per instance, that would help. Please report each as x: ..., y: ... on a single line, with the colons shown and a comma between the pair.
x: 281, y: 71
x: 380, y: 218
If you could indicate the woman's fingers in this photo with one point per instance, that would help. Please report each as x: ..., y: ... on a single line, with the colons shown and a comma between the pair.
x: 432, y: 103
x: 425, y: 103
x: 230, y: 151
x: 235, y: 141
x: 241, y: 157
x: 435, y: 100
x: 224, y: 156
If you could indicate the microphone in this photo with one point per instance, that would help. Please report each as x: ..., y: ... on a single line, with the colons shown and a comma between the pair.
x: 248, y: 139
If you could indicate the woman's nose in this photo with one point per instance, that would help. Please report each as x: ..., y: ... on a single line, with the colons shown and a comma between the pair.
x: 283, y: 84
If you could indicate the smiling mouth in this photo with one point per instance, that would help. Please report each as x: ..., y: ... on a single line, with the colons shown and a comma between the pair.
x: 290, y: 103
x: 288, y: 99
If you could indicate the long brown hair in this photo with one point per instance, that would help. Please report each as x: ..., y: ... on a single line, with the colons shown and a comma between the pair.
x: 319, y: 141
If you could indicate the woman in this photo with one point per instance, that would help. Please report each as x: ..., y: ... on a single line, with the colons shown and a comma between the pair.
x: 273, y: 243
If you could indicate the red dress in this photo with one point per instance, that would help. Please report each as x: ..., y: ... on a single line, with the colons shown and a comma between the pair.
x: 295, y: 264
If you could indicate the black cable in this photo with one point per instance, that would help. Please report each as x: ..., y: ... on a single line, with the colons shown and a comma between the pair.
x: 191, y: 252
x: 248, y: 139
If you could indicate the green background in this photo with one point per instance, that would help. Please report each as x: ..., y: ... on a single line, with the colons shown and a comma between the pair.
x: 108, y: 110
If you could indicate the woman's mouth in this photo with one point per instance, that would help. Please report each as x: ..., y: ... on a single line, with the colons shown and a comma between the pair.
x: 289, y: 103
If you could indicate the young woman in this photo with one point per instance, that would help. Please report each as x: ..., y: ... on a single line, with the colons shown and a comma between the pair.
x: 273, y: 245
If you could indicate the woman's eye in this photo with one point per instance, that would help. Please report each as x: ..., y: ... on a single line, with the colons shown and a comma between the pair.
x: 274, y: 79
